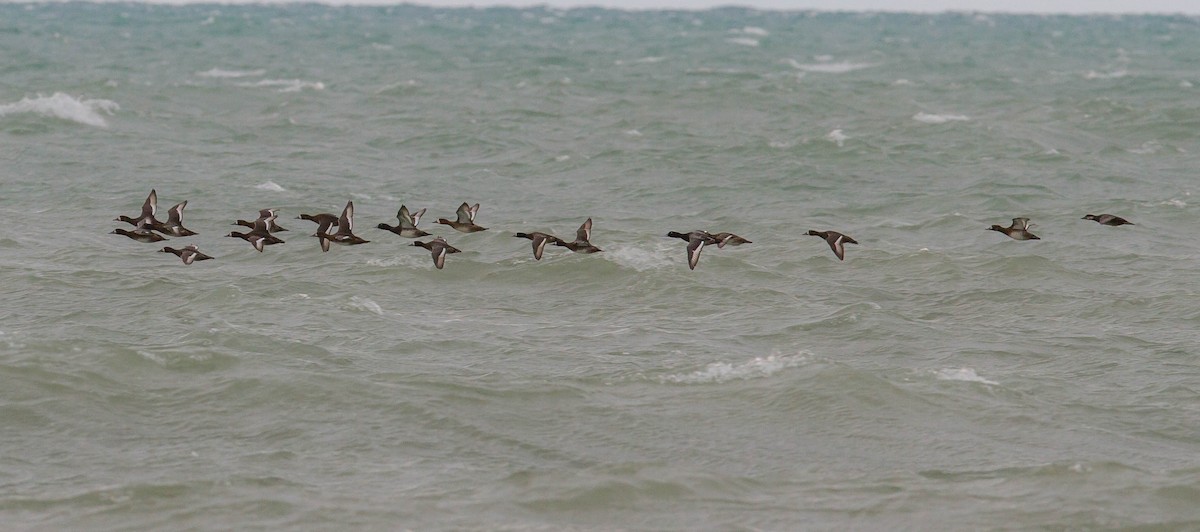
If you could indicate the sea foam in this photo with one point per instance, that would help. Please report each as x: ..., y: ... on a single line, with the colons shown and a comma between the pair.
x: 64, y: 106
x: 927, y: 118
x: 719, y: 372
x: 961, y: 374
x: 220, y: 73
x: 829, y: 67
x: 286, y: 85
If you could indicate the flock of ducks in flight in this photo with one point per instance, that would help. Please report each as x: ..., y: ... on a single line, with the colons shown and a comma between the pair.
x: 147, y: 228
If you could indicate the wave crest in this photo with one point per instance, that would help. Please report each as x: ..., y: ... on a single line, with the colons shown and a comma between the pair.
x: 64, y: 106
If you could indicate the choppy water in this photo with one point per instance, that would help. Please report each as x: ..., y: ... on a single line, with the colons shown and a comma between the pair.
x: 942, y: 377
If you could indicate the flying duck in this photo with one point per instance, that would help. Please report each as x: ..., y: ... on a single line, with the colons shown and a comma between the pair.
x: 344, y: 234
x: 696, y: 241
x: 140, y: 233
x: 837, y: 241
x: 149, y: 208
x: 1019, y: 230
x: 407, y: 226
x: 174, y: 224
x: 1108, y: 219
x: 265, y: 214
x: 583, y: 240
x: 188, y: 254
x: 439, y: 248
x: 466, y: 219
x: 539, y: 241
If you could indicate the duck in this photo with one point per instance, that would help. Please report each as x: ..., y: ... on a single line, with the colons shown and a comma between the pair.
x: 837, y: 241
x: 583, y: 240
x: 140, y: 233
x: 539, y: 241
x: 188, y: 254
x: 729, y: 239
x: 1108, y: 219
x: 257, y: 237
x: 174, y: 224
x: 696, y: 241
x: 149, y: 209
x: 264, y: 214
x: 344, y: 234
x: 320, y: 218
x: 439, y: 248
x: 407, y: 226
x: 1019, y: 230
x: 466, y: 219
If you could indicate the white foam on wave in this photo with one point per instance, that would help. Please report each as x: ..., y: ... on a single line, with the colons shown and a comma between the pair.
x: 826, y: 66
x: 754, y: 30
x: 416, y: 260
x: 65, y: 107
x: 221, y: 73
x: 642, y: 259
x: 928, y: 118
x: 286, y: 85
x: 744, y: 41
x: 364, y: 303
x: 1116, y: 74
x: 962, y: 374
x: 271, y: 186
x: 1147, y: 148
x: 837, y: 137
x: 719, y: 372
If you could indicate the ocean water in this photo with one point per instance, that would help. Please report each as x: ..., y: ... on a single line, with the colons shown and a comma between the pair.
x: 941, y: 377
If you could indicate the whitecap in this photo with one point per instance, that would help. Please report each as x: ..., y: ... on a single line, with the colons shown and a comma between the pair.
x: 1185, y: 84
x: 270, y: 185
x: 961, y: 374
x: 719, y: 372
x: 651, y: 59
x: 744, y: 41
x: 286, y: 85
x: 1175, y: 203
x: 221, y: 73
x: 1147, y: 148
x: 633, y: 133
x: 755, y: 30
x: 928, y: 118
x: 823, y: 67
x: 64, y: 106
x: 836, y: 136
x: 902, y: 82
x: 1116, y: 74
x: 363, y: 303
x: 642, y: 259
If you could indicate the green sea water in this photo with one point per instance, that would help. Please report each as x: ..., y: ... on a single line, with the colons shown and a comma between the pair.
x: 941, y: 377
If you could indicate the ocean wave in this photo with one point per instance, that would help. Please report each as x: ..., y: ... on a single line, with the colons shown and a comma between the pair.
x: 220, y: 73
x: 927, y: 118
x: 719, y: 372
x: 286, y: 85
x: 744, y: 41
x: 828, y: 67
x: 65, y: 107
x: 837, y: 137
x: 961, y: 374
x: 642, y: 259
x: 365, y: 303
